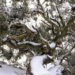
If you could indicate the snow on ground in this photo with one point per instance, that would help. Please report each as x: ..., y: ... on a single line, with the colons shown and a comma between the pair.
x: 37, y: 67
x: 10, y: 70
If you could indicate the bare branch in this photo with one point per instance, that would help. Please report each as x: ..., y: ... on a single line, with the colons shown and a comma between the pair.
x: 62, y: 21
x: 68, y: 53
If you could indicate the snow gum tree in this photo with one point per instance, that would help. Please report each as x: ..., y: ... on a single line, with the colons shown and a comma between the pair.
x: 38, y: 27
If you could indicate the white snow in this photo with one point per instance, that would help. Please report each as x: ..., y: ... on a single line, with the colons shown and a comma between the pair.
x: 15, y: 52
x: 73, y: 5
x: 66, y: 45
x: 55, y: 13
x: 6, y: 47
x: 30, y: 24
x: 46, y: 6
x: 64, y: 62
x: 57, y: 62
x: 19, y: 4
x: 8, y: 3
x: 33, y: 23
x: 32, y: 6
x: 56, y: 70
x: 22, y: 60
x: 10, y: 70
x: 66, y: 5
x: 73, y: 52
x: 37, y: 67
x: 28, y: 42
x: 52, y: 45
x: 42, y: 1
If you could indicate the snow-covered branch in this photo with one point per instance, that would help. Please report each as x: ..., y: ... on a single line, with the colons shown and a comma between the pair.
x: 29, y: 43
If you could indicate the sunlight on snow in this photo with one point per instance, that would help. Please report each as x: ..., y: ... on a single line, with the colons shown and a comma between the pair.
x: 37, y: 67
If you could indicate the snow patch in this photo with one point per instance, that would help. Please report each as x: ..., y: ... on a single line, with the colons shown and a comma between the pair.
x: 32, y: 6
x: 73, y: 52
x: 10, y: 70
x: 52, y: 45
x: 64, y: 62
x: 22, y: 60
x: 19, y: 4
x: 9, y: 3
x: 66, y: 5
x: 37, y: 67
x: 29, y: 42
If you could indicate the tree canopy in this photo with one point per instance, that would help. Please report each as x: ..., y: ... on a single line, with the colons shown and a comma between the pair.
x: 37, y: 27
